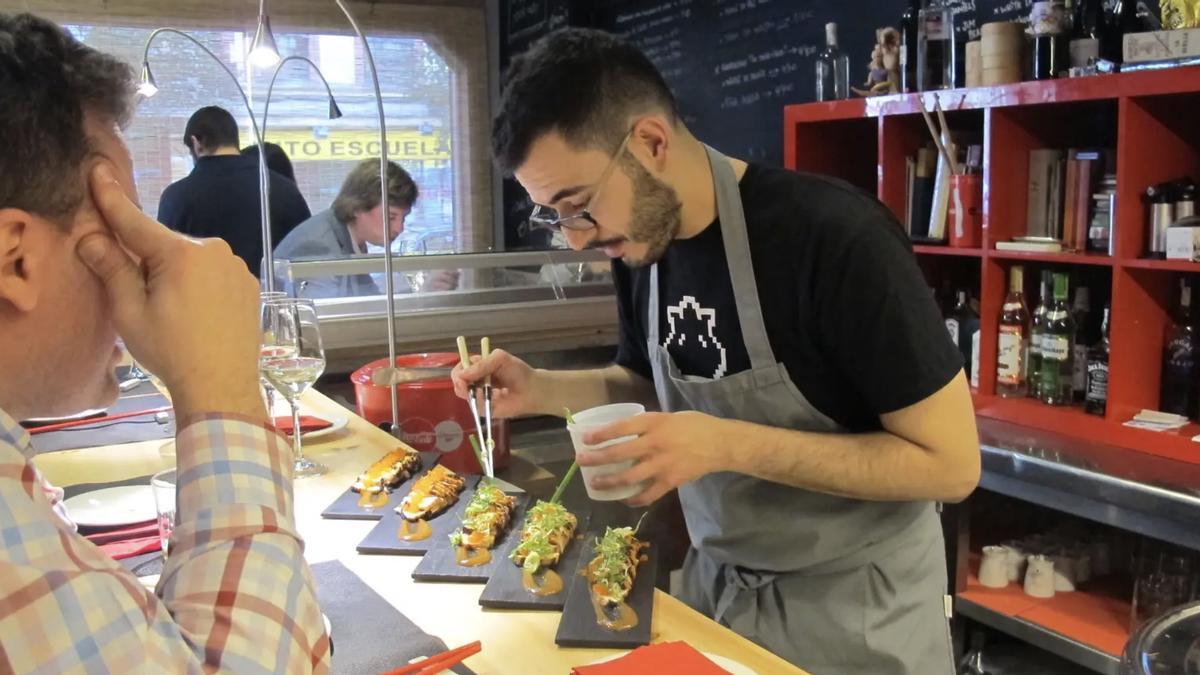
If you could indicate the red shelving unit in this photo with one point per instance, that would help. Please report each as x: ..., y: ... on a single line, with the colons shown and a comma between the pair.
x: 1148, y: 118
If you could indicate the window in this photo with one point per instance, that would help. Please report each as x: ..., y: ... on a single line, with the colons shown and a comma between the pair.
x: 418, y: 92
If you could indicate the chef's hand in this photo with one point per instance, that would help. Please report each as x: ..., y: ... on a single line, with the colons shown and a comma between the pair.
x: 187, y: 309
x: 670, y: 449
x: 513, y: 391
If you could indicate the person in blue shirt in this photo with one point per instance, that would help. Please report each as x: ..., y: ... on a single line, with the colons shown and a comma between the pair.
x: 220, y: 197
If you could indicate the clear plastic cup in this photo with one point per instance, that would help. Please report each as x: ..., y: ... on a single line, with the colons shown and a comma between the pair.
x: 595, y: 419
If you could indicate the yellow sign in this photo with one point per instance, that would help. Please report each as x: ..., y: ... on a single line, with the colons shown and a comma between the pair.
x: 302, y: 145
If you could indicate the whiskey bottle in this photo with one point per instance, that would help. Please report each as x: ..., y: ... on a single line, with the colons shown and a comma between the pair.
x: 1012, y: 358
x: 1096, y: 399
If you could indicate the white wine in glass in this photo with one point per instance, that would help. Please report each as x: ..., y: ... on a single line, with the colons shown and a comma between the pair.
x: 291, y: 360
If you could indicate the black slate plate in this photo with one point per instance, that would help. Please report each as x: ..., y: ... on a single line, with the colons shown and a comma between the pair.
x: 578, y: 627
x: 506, y: 587
x: 439, y: 564
x: 383, y: 538
x: 346, y: 506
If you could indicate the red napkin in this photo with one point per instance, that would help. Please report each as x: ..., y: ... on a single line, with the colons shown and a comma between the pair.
x: 128, y: 541
x: 307, y: 423
x: 663, y: 658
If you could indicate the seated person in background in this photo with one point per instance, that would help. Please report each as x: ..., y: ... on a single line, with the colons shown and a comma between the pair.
x: 354, y: 220
x: 79, y: 265
x: 220, y: 197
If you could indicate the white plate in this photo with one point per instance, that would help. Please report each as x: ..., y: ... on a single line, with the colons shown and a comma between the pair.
x: 729, y: 665
x: 337, y: 425
x: 110, y: 507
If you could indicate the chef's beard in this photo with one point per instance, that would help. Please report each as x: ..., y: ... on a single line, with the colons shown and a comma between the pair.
x: 655, y: 217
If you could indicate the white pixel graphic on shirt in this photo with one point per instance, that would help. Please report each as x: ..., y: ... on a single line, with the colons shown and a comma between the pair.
x: 709, y: 341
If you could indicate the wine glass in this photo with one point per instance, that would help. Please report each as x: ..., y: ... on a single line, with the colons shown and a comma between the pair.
x: 292, y: 359
x: 268, y: 390
x: 416, y: 278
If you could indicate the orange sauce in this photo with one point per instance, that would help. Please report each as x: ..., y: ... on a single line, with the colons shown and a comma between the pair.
x: 472, y: 557
x: 547, y: 582
x: 620, y: 618
x: 414, y: 530
x: 373, y: 500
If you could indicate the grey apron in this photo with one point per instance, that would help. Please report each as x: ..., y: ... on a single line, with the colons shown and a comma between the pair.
x: 833, y: 585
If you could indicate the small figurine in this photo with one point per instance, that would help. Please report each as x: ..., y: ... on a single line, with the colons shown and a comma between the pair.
x: 883, y: 73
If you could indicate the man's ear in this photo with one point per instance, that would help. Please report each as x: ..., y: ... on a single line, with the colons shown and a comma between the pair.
x: 23, y: 247
x: 652, y: 139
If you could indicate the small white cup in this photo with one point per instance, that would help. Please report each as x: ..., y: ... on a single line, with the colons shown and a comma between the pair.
x: 1014, y: 561
x: 1039, y: 577
x: 993, y: 571
x: 595, y: 419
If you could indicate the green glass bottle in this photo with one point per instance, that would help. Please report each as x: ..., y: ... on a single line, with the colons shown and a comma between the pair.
x: 1037, y: 331
x: 1058, y: 350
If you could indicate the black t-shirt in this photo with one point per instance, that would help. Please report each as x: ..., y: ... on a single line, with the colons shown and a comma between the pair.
x: 846, y: 308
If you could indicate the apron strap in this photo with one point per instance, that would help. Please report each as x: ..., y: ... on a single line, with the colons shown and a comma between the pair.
x: 737, y: 256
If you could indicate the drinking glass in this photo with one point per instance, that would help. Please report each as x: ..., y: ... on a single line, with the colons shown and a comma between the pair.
x: 292, y: 359
x: 416, y: 279
x: 162, y: 484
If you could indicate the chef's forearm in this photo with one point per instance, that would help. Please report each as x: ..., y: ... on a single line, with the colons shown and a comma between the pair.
x: 877, y: 466
x: 583, y: 389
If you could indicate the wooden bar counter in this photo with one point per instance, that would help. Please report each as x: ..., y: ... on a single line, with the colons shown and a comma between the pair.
x: 513, y: 641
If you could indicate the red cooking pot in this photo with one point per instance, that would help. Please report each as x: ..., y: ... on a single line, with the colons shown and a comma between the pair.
x: 432, y: 418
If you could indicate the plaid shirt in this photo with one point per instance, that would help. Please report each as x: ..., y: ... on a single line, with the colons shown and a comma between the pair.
x: 235, y: 594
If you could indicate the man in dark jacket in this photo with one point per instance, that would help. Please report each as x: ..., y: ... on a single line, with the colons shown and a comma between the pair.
x: 220, y: 197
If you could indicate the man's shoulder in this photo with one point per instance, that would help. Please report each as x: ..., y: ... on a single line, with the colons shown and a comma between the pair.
x: 313, y: 237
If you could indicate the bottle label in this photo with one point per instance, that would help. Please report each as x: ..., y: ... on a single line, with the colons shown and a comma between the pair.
x: 1056, y: 348
x: 952, y: 329
x: 1035, y: 345
x: 1097, y: 382
x: 1010, y: 362
x: 1079, y: 374
x: 975, y: 359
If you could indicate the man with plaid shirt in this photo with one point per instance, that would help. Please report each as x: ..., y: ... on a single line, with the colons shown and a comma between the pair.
x: 79, y: 265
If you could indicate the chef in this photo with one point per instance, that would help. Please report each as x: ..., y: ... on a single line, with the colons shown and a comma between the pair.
x: 813, y: 410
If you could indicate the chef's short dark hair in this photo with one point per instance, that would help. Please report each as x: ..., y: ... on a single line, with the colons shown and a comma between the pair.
x: 583, y: 83
x: 213, y: 126
x: 361, y: 192
x: 48, y: 82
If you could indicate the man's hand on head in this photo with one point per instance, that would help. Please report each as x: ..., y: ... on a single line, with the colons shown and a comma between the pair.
x: 187, y: 309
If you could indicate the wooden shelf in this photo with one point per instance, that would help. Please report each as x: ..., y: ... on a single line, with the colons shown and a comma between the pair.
x: 1164, y: 265
x: 1089, y: 628
x: 927, y: 249
x: 1063, y: 257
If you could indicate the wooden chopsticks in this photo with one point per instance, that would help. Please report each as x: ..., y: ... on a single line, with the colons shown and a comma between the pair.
x: 439, y: 662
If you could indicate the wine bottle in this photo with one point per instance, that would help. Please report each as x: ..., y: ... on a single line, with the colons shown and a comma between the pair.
x: 1084, y: 339
x: 1087, y: 28
x: 833, y: 69
x: 1037, y: 331
x: 1179, y: 362
x: 1012, y: 358
x: 1058, y: 332
x: 1096, y: 400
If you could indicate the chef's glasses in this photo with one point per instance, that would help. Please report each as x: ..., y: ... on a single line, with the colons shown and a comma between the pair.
x: 544, y: 216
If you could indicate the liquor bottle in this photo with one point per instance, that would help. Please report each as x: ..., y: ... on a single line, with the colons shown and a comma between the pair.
x: 968, y: 326
x: 1013, y: 348
x: 1087, y: 29
x: 1096, y: 400
x: 908, y: 46
x: 935, y: 47
x: 1179, y: 363
x: 833, y: 69
x: 1084, y: 338
x: 1058, y: 352
x: 1037, y: 331
x: 1122, y: 19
